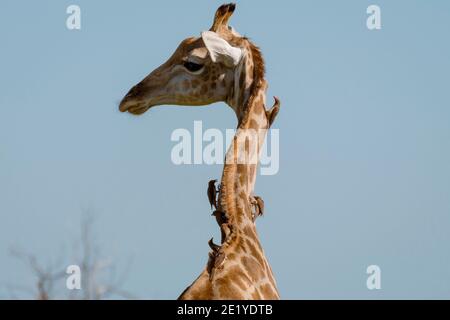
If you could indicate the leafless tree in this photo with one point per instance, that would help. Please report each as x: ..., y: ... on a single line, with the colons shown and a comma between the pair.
x: 100, y: 277
x: 45, y: 276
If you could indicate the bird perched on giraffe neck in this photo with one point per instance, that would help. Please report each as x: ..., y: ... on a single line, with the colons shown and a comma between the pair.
x: 212, y: 193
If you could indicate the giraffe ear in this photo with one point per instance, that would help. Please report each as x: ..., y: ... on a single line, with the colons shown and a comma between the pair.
x: 220, y: 50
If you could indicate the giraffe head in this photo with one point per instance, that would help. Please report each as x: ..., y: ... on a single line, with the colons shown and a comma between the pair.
x: 201, y: 71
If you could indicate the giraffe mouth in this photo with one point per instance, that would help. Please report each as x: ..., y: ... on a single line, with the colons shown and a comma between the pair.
x: 136, y: 108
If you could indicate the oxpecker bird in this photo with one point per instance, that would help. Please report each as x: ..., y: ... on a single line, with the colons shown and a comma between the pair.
x: 212, y: 193
x: 260, y: 205
x: 272, y: 112
x: 214, y: 247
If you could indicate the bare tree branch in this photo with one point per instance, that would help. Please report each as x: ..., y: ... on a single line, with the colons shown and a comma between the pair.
x: 99, y: 276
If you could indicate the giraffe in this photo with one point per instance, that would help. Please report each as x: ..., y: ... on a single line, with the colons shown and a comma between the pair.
x: 221, y: 65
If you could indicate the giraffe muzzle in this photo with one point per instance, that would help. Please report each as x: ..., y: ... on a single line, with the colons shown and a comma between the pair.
x: 134, y: 101
x: 133, y: 107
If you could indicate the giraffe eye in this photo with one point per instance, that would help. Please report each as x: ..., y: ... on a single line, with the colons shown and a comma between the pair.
x: 193, y: 67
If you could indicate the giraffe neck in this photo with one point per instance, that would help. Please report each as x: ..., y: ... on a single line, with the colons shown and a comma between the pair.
x: 240, y: 169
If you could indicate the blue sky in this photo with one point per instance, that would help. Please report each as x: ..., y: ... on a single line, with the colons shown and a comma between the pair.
x: 364, y: 157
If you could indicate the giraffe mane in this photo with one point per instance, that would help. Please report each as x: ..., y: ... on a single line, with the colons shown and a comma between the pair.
x: 259, y: 71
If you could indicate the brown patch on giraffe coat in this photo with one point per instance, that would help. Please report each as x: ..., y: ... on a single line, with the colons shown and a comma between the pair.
x: 228, y: 291
x: 253, y: 267
x: 205, y: 76
x: 252, y: 170
x: 253, y: 124
x: 259, y: 109
x: 241, y: 79
x: 227, y: 285
x: 231, y: 256
x: 199, y: 294
x: 235, y: 271
x: 247, y: 148
x: 242, y: 179
x: 257, y: 254
x: 257, y: 104
x: 242, y: 194
x: 267, y: 291
x: 256, y: 295
x: 250, y: 232
x: 204, y: 89
x: 241, y: 283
